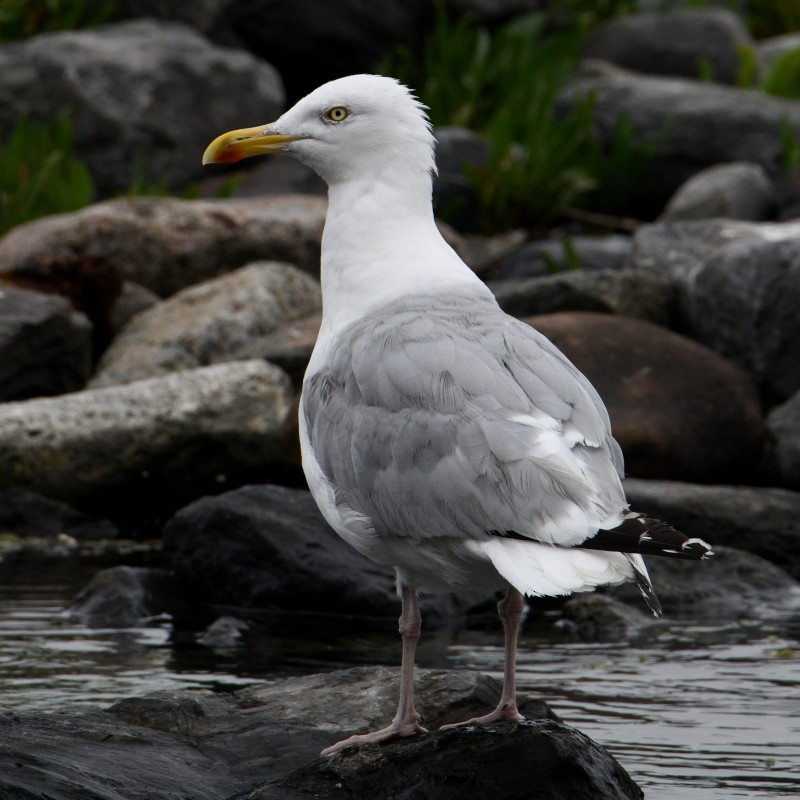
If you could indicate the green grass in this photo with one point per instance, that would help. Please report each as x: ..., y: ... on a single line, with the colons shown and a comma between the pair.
x: 503, y: 84
x: 39, y: 174
x: 20, y: 19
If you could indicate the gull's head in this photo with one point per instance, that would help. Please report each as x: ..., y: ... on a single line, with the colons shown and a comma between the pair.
x: 353, y: 127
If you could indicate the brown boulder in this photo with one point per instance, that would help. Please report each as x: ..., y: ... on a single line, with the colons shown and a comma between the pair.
x: 161, y: 243
x: 678, y: 410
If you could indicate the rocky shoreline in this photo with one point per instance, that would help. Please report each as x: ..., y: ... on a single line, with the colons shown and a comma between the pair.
x: 151, y: 353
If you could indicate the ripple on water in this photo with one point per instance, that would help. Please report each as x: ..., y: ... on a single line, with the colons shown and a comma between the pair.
x: 692, y: 712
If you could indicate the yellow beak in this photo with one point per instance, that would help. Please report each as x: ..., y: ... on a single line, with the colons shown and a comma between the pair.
x: 236, y: 145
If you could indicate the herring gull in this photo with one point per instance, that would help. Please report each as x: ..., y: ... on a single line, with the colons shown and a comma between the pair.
x: 440, y: 436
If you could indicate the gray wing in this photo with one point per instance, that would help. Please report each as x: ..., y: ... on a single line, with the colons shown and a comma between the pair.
x: 457, y: 420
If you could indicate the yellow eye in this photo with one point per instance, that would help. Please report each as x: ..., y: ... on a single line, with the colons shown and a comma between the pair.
x: 336, y: 114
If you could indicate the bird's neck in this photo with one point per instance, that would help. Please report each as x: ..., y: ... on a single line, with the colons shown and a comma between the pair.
x: 381, y: 243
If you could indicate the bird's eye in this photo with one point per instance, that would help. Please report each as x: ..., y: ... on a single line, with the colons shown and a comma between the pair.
x: 336, y: 114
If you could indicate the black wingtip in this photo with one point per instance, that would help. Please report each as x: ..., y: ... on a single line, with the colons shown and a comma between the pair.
x: 638, y: 534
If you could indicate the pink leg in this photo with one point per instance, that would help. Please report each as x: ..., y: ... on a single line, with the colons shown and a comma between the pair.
x: 406, y: 721
x: 510, y: 609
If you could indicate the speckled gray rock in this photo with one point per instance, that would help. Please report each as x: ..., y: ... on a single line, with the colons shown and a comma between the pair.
x: 783, y: 423
x: 738, y: 292
x: 166, y: 244
x: 189, y: 430
x: 734, y: 191
x: 695, y: 124
x: 681, y: 42
x: 156, y: 89
x: 45, y: 345
x: 224, y: 319
x: 633, y: 293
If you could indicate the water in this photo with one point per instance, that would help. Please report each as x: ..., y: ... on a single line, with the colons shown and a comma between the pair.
x: 691, y: 711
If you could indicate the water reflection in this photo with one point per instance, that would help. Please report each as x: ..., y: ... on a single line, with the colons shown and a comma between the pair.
x: 691, y: 711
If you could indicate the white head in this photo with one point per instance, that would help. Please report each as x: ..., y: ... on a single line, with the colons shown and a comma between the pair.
x: 361, y: 126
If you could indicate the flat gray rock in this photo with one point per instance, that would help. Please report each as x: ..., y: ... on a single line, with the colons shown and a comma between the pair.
x: 186, y: 432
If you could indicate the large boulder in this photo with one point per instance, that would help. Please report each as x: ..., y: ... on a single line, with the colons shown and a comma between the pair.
x: 143, y: 95
x: 760, y: 520
x: 162, y: 244
x: 45, y: 345
x: 264, y: 742
x: 682, y: 42
x: 677, y: 409
x: 269, y: 547
x: 694, y: 124
x: 738, y: 292
x: 154, y: 440
x: 224, y: 319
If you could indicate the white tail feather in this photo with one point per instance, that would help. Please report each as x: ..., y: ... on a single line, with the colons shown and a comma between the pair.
x: 537, y: 569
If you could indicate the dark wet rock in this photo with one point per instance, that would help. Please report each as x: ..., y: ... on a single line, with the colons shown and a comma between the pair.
x: 632, y: 293
x: 500, y: 761
x: 188, y: 432
x: 761, y: 520
x: 738, y: 292
x: 224, y: 633
x: 546, y: 256
x: 156, y: 89
x: 783, y: 422
x: 683, y: 42
x: 45, y: 345
x: 734, y: 191
x: 677, y: 409
x: 493, y: 11
x: 161, y: 243
x: 223, y: 319
x: 25, y: 513
x: 455, y: 197
x: 200, y: 14
x: 125, y: 597
x: 330, y: 40
x: 268, y: 547
x: 696, y: 125
x: 205, y: 746
x: 731, y: 585
x: 595, y: 617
